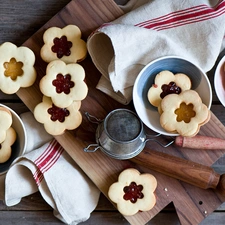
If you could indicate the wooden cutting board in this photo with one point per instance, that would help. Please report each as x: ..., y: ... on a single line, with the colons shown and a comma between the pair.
x: 192, y: 204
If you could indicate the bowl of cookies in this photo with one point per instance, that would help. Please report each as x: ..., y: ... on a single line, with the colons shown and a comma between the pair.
x: 12, y: 137
x: 172, y: 96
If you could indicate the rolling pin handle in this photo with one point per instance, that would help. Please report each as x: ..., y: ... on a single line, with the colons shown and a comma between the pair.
x: 221, y: 185
x: 200, y: 142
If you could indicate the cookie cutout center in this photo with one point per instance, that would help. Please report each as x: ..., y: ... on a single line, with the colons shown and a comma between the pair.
x: 133, y: 192
x: 63, y: 83
x: 185, y: 112
x: 170, y: 88
x: 58, y: 113
x: 13, y: 69
x: 61, y: 46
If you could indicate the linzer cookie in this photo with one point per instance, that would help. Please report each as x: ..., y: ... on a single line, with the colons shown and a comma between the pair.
x: 6, y: 145
x: 55, y: 119
x: 167, y: 83
x: 63, y: 43
x: 184, y: 113
x: 5, y: 122
x: 16, y: 67
x: 133, y: 192
x: 64, y: 83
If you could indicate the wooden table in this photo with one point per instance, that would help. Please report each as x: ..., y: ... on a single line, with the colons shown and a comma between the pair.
x: 19, y: 20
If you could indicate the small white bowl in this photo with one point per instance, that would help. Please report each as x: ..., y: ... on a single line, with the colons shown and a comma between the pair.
x: 219, y: 81
x: 18, y: 148
x: 147, y: 112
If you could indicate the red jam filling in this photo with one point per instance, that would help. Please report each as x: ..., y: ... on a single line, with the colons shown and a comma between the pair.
x: 58, y: 113
x: 61, y: 46
x: 133, y: 192
x: 170, y: 88
x: 63, y: 83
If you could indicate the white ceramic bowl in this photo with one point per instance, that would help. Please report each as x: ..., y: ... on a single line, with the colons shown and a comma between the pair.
x: 19, y: 146
x: 147, y: 112
x: 219, y: 81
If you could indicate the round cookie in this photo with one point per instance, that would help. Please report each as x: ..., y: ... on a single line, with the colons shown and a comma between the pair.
x: 64, y: 83
x: 63, y: 43
x: 133, y: 192
x: 16, y: 67
x: 6, y: 145
x: 55, y: 119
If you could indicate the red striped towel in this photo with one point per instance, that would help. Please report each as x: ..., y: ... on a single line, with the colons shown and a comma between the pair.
x: 60, y: 181
x: 120, y: 49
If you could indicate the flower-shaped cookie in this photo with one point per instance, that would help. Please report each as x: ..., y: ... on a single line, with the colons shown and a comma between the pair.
x: 16, y: 67
x: 6, y: 145
x: 184, y: 113
x: 64, y: 83
x: 5, y: 122
x: 63, y: 43
x: 167, y: 83
x: 55, y: 119
x: 133, y: 192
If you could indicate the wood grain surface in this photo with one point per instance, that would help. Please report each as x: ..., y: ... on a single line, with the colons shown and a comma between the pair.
x: 186, y: 198
x: 33, y: 210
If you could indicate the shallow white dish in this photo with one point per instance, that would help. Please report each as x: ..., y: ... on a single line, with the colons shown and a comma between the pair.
x: 147, y: 112
x: 219, y: 81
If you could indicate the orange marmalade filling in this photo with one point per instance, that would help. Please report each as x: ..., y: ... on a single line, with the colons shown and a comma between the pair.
x: 13, y: 69
x: 185, y: 112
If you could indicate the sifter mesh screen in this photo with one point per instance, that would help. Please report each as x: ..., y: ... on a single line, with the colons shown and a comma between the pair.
x: 123, y: 126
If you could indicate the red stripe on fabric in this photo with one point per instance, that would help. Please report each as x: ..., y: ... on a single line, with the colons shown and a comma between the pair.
x: 178, y: 19
x: 46, y: 152
x: 52, y: 160
x: 190, y: 21
x: 45, y: 161
x: 173, y: 14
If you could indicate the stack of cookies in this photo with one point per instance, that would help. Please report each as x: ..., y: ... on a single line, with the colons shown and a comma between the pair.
x: 63, y: 85
x: 181, y: 109
x: 7, y: 134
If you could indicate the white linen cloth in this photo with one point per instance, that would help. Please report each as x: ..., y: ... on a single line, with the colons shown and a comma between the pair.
x: 50, y: 170
x: 120, y: 49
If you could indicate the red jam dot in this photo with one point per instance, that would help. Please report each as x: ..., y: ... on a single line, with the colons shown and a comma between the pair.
x: 63, y: 83
x: 170, y: 88
x: 133, y: 192
x: 58, y: 113
x: 61, y: 46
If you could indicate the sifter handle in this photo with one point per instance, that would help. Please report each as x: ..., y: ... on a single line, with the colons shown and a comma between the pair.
x: 200, y: 142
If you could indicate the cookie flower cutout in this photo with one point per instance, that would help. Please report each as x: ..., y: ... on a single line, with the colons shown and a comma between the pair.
x: 16, y: 67
x: 55, y: 119
x: 167, y: 83
x: 6, y: 145
x: 5, y: 122
x: 184, y: 113
x: 63, y: 43
x: 64, y: 83
x: 133, y: 192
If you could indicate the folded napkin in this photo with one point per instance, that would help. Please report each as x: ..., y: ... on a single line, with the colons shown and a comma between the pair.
x: 50, y: 170
x: 120, y: 49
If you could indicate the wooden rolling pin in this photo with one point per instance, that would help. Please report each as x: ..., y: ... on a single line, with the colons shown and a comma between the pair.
x: 185, y: 170
x: 200, y: 142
